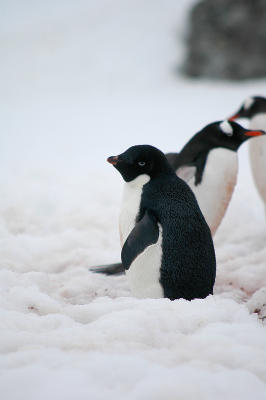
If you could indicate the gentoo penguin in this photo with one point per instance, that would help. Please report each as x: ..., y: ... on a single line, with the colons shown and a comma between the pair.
x: 167, y: 247
x: 209, y: 164
x: 254, y: 108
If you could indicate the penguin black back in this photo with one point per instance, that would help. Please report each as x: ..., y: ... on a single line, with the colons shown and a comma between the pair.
x: 188, y: 259
x: 167, y: 204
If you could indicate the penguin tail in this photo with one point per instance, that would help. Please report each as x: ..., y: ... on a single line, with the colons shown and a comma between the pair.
x: 109, y: 269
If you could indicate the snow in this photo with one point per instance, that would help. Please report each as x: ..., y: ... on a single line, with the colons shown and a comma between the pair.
x: 79, y: 82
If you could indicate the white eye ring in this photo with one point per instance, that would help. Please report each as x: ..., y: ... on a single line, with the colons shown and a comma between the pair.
x: 141, y: 163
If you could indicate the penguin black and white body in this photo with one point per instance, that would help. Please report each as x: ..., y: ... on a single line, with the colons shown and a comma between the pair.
x: 209, y: 164
x: 167, y: 245
x: 254, y: 108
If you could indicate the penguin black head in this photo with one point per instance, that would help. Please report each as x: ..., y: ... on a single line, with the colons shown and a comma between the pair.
x: 226, y: 134
x: 140, y: 160
x: 251, y: 106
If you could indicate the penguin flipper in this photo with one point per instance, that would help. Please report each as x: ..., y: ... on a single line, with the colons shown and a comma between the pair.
x: 172, y: 158
x: 144, y: 234
x: 200, y: 164
x: 109, y: 269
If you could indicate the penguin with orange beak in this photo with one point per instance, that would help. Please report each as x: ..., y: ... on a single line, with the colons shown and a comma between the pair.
x: 254, y: 109
x: 208, y: 163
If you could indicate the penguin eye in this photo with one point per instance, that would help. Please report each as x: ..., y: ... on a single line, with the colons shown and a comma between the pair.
x: 141, y: 163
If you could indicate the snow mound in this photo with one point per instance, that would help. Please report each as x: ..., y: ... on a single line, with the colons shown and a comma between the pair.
x: 69, y: 331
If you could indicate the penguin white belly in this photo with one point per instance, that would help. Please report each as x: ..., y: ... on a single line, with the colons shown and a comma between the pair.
x: 257, y: 154
x: 130, y: 205
x: 216, y: 188
x: 144, y: 272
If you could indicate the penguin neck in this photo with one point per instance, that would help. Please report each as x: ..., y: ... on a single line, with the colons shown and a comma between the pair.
x: 142, y: 179
x: 162, y: 169
x: 138, y: 182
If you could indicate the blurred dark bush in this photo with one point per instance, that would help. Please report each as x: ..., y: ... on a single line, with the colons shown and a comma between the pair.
x: 227, y: 40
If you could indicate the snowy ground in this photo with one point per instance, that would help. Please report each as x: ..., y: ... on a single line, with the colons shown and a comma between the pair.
x: 81, y: 81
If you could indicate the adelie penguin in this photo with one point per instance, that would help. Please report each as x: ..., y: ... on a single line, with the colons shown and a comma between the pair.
x: 254, y: 109
x: 167, y: 247
x: 209, y: 164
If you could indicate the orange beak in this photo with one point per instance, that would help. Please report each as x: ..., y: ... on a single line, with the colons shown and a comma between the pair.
x: 254, y: 133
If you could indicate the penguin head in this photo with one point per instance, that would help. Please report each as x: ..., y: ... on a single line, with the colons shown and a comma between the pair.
x: 226, y: 134
x: 251, y: 106
x: 140, y: 160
